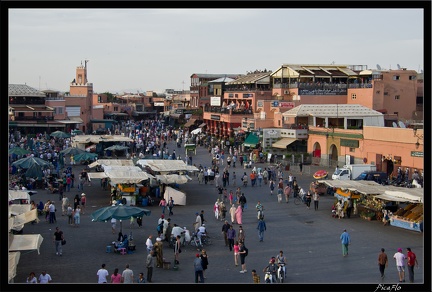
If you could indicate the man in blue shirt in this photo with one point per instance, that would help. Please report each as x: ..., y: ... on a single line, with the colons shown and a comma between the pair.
x: 346, y: 240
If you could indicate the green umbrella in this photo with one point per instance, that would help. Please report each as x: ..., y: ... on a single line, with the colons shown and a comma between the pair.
x: 18, y: 151
x: 60, y: 134
x: 85, y: 156
x: 119, y: 212
x: 29, y: 161
x: 34, y: 171
x: 72, y: 151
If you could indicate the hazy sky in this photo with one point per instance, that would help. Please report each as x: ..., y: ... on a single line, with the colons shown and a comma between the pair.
x: 155, y: 49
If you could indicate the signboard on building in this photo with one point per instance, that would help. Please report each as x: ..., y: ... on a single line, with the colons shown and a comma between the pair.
x: 286, y: 104
x: 215, y: 101
x: 349, y: 143
x: 158, y: 104
x: 416, y: 154
x: 215, y: 117
x: 260, y: 103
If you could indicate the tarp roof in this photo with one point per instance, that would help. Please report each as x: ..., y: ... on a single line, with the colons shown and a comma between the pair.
x: 17, y: 222
x: 283, y: 143
x: 103, y: 162
x: 251, y: 140
x: 16, y: 209
x: 16, y: 195
x: 118, y: 176
x: 178, y: 197
x: 173, y: 178
x: 25, y: 242
x: 388, y: 193
x: 84, y: 139
x: 13, y: 263
x: 161, y: 165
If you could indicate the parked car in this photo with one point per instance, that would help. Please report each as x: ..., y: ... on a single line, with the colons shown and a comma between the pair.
x: 376, y: 176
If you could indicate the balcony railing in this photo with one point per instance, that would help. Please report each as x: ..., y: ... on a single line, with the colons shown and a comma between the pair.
x: 221, y: 110
x: 28, y: 101
x: 29, y: 118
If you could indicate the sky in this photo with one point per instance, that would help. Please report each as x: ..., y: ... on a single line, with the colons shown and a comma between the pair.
x: 136, y: 50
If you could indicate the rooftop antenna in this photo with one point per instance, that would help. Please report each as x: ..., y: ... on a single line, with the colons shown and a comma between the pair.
x: 378, y: 67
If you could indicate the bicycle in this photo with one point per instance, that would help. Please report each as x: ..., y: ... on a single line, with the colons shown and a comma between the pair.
x: 299, y: 199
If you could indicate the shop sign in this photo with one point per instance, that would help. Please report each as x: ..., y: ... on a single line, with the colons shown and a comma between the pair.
x: 260, y: 103
x: 247, y: 95
x: 215, y: 101
x: 158, y: 104
x: 215, y: 117
x: 286, y: 104
x: 416, y: 154
x: 349, y: 143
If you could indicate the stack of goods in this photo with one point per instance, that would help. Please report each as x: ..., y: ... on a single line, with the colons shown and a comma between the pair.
x: 412, y: 212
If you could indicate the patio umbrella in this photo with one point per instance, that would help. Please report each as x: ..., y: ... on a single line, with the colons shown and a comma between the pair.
x: 320, y: 174
x: 29, y: 161
x: 60, y: 134
x: 117, y: 147
x: 34, y: 171
x: 119, y: 212
x: 72, y: 151
x: 84, y: 156
x: 18, y: 151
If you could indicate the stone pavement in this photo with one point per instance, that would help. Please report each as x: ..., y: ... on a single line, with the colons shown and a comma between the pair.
x: 309, y: 239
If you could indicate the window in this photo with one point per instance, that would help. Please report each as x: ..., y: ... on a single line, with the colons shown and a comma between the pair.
x: 353, y: 96
x: 396, y: 77
x: 385, y: 93
x: 352, y: 149
x: 279, y: 122
x: 116, y: 108
x: 397, y: 97
x: 412, y: 77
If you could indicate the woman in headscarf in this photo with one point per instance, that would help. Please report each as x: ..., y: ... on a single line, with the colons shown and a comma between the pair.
x: 233, y: 213
x: 239, y: 214
x: 216, y: 209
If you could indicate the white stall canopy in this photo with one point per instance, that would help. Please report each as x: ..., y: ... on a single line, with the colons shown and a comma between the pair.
x: 178, y: 197
x: 25, y: 242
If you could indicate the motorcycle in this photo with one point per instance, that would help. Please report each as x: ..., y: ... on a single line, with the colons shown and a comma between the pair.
x: 268, y: 279
x: 260, y: 214
x: 281, y: 272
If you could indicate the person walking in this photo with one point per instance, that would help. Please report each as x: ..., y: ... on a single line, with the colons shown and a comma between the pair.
x: 177, y: 250
x: 255, y: 277
x: 400, y: 264
x: 382, y: 262
x: 233, y: 213
x: 239, y: 214
x: 316, y: 198
x: 149, y: 244
x: 52, y: 209
x: 345, y: 240
x: 411, y: 263
x: 57, y: 240
x: 243, y: 251
x: 83, y: 202
x: 198, y: 269
x: 127, y: 276
x: 349, y: 207
x: 231, y: 234
x: 204, y: 261
x: 236, y: 248
x: 31, y: 279
x: 102, y: 274
x: 65, y: 204
x: 225, y: 228
x: 44, y: 278
x: 116, y: 277
x: 287, y: 192
x: 241, y: 234
x: 170, y: 206
x: 308, y: 199
x: 141, y: 279
x: 301, y: 168
x: 77, y: 216
x: 150, y: 265
x: 69, y: 213
x: 163, y: 204
x: 261, y: 228
x: 271, y: 186
x: 158, y: 249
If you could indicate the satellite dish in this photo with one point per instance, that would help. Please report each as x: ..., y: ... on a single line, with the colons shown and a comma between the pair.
x: 394, y: 125
x: 378, y: 67
x: 398, y: 66
x: 401, y: 124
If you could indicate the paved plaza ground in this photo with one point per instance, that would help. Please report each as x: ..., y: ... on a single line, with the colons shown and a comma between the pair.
x: 309, y: 239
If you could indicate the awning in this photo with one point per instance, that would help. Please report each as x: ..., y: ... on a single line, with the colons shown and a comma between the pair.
x: 251, y: 140
x: 17, y: 222
x: 202, y: 125
x: 92, y: 175
x: 178, y: 197
x: 13, y: 263
x: 25, y: 242
x: 393, y: 198
x: 173, y: 179
x: 283, y: 143
x: 190, y: 122
x: 163, y: 165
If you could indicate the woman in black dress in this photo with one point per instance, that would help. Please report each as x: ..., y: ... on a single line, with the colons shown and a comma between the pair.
x: 204, y: 260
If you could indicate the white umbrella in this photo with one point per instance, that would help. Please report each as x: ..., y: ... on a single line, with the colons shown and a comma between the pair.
x: 196, y: 131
